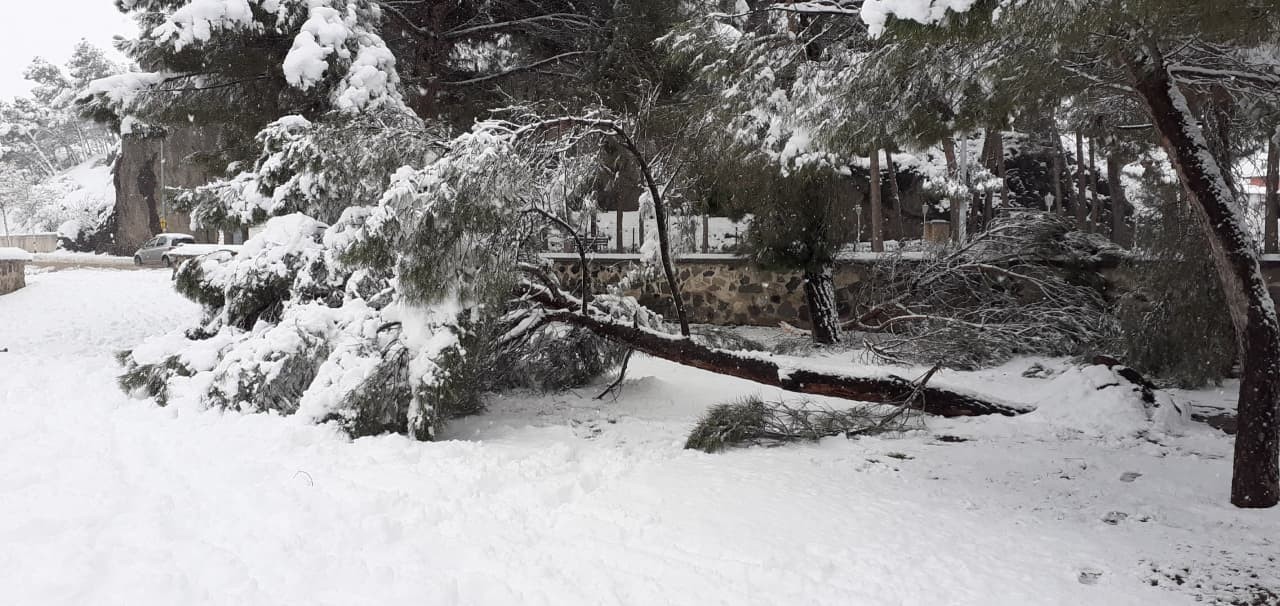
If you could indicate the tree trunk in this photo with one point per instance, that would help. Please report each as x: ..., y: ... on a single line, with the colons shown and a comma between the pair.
x: 957, y: 204
x: 1000, y: 172
x: 895, y: 196
x: 820, y: 295
x: 1119, y: 204
x: 1095, y: 207
x: 1255, y: 478
x: 706, y: 233
x: 617, y: 228
x: 877, y: 211
x: 992, y: 158
x: 1081, y: 199
x: 764, y: 370
x: 1058, y: 206
x: 1272, y: 202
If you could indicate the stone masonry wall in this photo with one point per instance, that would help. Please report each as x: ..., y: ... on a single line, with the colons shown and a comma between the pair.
x: 12, y: 276
x: 717, y: 289
x: 728, y: 290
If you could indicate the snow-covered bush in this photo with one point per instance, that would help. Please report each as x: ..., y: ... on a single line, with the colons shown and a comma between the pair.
x: 398, y: 317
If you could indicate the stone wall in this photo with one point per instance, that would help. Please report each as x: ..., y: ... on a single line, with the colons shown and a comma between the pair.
x: 13, y: 275
x: 729, y: 290
x: 717, y: 289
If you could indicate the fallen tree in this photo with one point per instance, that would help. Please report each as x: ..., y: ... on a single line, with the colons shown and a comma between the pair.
x: 553, y: 305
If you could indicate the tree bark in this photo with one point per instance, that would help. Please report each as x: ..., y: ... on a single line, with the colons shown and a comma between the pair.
x: 1095, y: 208
x: 617, y: 229
x: 706, y: 233
x: 766, y: 370
x: 1000, y: 171
x: 877, y: 210
x: 1081, y: 199
x: 1255, y: 478
x: 1119, y: 204
x: 820, y: 295
x: 895, y: 196
x: 1058, y: 206
x: 1272, y: 202
x: 957, y: 204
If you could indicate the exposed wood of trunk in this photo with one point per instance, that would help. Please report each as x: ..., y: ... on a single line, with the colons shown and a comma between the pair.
x: 1256, y: 472
x: 820, y: 296
x: 1271, y: 242
x: 877, y: 210
x: 1119, y: 204
x: 760, y: 369
x: 1081, y: 219
x: 895, y: 195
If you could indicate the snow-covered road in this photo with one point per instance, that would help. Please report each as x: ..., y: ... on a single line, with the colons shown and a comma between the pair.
x: 563, y: 499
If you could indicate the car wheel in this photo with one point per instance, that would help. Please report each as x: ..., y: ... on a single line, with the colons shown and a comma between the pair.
x: 137, y: 260
x: 167, y: 261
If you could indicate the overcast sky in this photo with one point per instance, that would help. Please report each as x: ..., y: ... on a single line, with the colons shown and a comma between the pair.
x: 50, y: 28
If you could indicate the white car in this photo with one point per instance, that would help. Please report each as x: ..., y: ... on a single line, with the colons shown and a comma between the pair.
x: 154, y: 251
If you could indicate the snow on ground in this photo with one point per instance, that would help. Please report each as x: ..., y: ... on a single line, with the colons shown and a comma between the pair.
x: 562, y: 499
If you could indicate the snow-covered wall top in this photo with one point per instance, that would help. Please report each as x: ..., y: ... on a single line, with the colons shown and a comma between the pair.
x: 8, y: 253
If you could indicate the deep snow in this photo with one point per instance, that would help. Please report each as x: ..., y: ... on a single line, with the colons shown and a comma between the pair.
x: 562, y: 499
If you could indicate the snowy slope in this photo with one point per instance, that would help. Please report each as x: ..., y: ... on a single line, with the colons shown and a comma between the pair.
x: 563, y: 499
x: 72, y: 202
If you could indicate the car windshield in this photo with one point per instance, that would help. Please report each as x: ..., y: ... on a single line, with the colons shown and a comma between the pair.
x: 183, y: 240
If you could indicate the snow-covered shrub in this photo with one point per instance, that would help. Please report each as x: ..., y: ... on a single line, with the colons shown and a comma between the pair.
x: 392, y: 319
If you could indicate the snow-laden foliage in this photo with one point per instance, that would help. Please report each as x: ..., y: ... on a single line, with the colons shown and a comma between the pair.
x: 397, y: 317
x: 336, y: 50
x: 315, y: 168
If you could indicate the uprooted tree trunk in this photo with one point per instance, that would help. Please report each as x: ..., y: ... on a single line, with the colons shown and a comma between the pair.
x: 764, y: 368
x: 1256, y: 472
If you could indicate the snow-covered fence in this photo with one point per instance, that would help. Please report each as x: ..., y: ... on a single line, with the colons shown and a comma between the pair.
x: 13, y: 269
x: 32, y: 243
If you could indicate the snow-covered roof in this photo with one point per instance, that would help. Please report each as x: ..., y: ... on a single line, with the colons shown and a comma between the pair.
x: 9, y: 253
x: 176, y: 235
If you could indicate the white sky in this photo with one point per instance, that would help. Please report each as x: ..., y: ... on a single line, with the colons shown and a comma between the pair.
x: 50, y: 28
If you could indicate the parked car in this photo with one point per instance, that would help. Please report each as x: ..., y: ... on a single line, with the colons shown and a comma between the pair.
x: 155, y: 250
